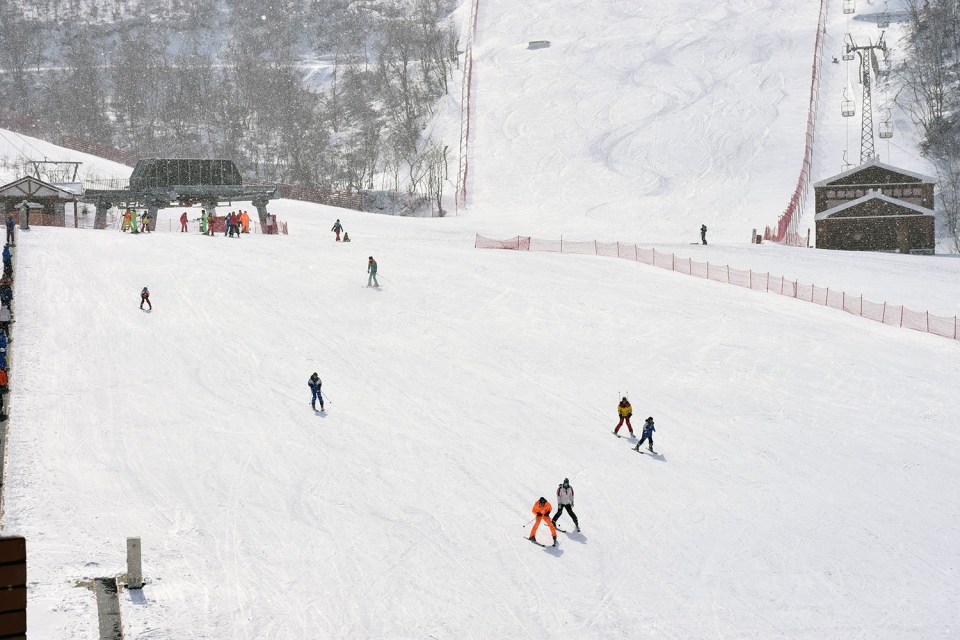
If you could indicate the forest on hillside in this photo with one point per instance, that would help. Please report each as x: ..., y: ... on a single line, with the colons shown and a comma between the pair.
x: 230, y: 78
x: 930, y: 92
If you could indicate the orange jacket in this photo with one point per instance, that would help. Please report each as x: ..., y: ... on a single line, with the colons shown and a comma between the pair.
x: 542, y: 510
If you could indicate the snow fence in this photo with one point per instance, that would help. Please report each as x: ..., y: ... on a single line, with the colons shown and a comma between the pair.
x: 893, y: 315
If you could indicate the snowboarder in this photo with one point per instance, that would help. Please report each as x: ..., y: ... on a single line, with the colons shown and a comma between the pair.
x: 625, y: 411
x: 372, y: 270
x: 145, y: 297
x: 565, y: 501
x: 337, y: 228
x: 315, y: 384
x: 646, y: 436
x: 183, y: 222
x: 703, y: 234
x: 541, y: 509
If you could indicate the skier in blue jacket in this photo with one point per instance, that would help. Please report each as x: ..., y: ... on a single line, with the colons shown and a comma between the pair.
x: 648, y: 430
x: 314, y: 383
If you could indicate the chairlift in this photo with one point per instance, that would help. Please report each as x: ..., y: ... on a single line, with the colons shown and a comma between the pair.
x: 849, y: 6
x: 848, y: 108
x: 885, y: 128
x: 883, y: 20
x: 847, y: 52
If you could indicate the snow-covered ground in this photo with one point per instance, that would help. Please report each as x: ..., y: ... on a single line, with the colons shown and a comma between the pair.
x: 806, y: 486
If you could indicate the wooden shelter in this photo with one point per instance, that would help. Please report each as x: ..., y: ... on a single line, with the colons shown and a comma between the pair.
x: 876, y: 222
x: 875, y: 207
x: 45, y: 201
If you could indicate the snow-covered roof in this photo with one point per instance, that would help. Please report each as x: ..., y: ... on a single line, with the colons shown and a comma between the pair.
x: 30, y: 187
x: 874, y: 195
x: 872, y: 163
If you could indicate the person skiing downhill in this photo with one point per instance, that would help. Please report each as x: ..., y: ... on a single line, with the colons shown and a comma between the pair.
x: 541, y: 509
x: 647, y: 435
x: 565, y: 501
x: 625, y: 411
x: 372, y: 270
x: 145, y: 297
x: 337, y: 228
x: 315, y: 384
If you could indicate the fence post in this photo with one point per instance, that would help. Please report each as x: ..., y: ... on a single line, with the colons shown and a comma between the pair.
x: 901, y: 315
x: 728, y: 274
x: 928, y: 321
x: 673, y: 264
x: 861, y: 305
x: 750, y: 277
x: 618, y: 248
x: 768, y: 281
x: 561, y: 243
x: 826, y: 299
x: 796, y: 288
x: 883, y: 314
x: 595, y: 248
x: 843, y: 300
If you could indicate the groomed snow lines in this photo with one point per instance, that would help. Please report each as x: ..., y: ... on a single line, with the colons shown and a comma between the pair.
x: 892, y: 315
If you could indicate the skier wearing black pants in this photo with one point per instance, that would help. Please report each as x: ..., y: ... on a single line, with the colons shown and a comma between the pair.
x: 647, y: 436
x: 565, y: 501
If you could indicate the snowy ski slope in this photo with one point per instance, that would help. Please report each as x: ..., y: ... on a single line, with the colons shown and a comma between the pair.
x: 807, y: 485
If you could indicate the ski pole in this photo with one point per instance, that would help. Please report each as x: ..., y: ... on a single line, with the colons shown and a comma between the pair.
x: 531, y: 520
x: 325, y: 397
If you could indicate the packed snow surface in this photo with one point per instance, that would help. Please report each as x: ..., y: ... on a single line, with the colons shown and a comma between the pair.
x: 808, y: 460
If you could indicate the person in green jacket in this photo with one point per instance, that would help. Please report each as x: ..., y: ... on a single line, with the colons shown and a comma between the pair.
x: 203, y: 221
x: 337, y: 228
x: 372, y: 270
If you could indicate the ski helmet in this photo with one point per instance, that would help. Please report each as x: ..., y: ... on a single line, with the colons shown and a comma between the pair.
x: 542, y: 500
x: 566, y: 481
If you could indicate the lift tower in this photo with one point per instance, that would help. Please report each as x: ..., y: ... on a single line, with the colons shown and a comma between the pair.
x: 868, y: 65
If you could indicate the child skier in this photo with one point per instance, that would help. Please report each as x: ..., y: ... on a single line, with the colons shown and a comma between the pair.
x: 346, y: 237
x: 315, y: 384
x: 565, y: 501
x: 372, y: 270
x: 541, y: 509
x: 145, y: 297
x: 337, y: 228
x: 647, y: 435
x: 625, y: 411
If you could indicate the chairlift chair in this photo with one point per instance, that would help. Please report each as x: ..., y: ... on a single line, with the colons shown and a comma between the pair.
x: 883, y: 20
x: 886, y: 129
x: 848, y: 52
x: 848, y: 108
x: 849, y: 6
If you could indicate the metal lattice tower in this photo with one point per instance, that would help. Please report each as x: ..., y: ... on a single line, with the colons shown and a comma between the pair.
x: 868, y: 64
x: 866, y: 124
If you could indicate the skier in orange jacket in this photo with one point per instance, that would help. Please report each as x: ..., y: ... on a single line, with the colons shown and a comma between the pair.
x: 541, y: 509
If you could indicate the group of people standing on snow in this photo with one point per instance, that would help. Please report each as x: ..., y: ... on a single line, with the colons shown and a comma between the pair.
x: 6, y: 311
x: 135, y: 223
x: 234, y: 223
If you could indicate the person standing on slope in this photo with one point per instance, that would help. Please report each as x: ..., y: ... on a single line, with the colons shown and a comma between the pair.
x: 372, y: 270
x: 565, y: 501
x: 337, y: 228
x: 625, y: 411
x: 11, y: 225
x: 541, y: 509
x: 703, y: 233
x: 315, y: 384
x: 647, y: 435
x: 183, y: 222
x: 145, y: 297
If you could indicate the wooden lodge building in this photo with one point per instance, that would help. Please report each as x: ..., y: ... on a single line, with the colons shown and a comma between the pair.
x: 45, y: 201
x: 875, y: 207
